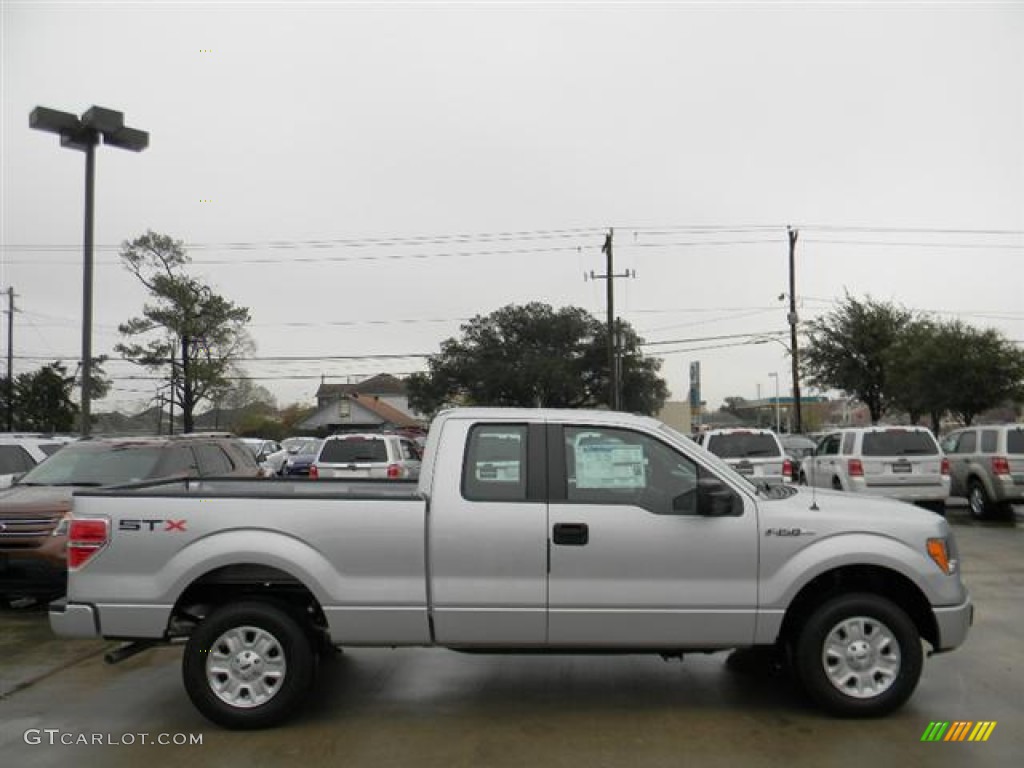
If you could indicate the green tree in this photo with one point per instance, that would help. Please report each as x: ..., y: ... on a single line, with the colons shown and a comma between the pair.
x: 536, y: 356
x: 917, y: 365
x: 980, y: 369
x: 849, y: 349
x: 190, y: 334
x: 42, y: 400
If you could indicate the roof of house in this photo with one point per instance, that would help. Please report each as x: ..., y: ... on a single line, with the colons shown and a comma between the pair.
x: 385, y: 410
x: 381, y: 384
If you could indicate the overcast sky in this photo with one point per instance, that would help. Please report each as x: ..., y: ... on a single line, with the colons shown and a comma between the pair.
x: 364, y: 178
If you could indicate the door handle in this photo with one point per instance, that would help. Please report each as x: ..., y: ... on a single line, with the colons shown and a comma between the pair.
x: 571, y: 534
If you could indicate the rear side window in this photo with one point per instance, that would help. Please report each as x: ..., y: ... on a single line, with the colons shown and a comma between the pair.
x: 848, y: 440
x: 495, y: 466
x: 989, y: 440
x: 14, y: 459
x: 1015, y: 440
x: 741, y: 445
x: 213, y: 461
x: 50, y: 448
x: 899, y: 442
x: 354, y: 450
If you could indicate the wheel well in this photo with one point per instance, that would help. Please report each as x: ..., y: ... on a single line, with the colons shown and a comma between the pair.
x: 861, y: 578
x: 837, y: 484
x: 245, y: 581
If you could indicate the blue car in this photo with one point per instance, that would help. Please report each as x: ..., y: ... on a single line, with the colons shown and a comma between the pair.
x: 298, y: 463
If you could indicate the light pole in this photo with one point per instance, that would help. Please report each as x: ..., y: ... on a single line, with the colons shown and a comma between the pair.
x: 84, y: 134
x: 777, y: 420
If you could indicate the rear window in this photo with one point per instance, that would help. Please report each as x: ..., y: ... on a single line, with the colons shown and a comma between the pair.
x: 899, y: 442
x: 353, y: 450
x: 741, y: 445
x: 1015, y: 441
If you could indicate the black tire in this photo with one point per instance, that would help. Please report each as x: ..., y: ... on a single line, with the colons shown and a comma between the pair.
x: 260, y: 655
x: 802, y: 478
x: 837, y: 484
x: 859, y: 640
x: 978, y: 502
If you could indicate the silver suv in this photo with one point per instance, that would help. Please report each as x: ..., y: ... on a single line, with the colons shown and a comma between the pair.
x: 370, y: 456
x: 987, y: 466
x: 757, y: 454
x: 904, y: 463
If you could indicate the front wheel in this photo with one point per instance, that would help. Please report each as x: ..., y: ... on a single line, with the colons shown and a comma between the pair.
x: 248, y: 665
x: 859, y: 656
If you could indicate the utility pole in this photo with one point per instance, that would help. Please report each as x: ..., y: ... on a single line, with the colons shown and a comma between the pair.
x: 10, y: 359
x: 615, y: 388
x: 792, y: 317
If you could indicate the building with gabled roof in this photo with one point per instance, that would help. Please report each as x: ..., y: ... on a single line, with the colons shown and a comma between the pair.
x: 375, y: 404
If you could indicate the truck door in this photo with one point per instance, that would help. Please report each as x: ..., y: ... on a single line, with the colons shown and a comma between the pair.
x: 635, y: 561
x: 487, y: 535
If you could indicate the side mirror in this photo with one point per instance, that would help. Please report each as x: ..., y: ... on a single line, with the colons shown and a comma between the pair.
x: 716, y: 499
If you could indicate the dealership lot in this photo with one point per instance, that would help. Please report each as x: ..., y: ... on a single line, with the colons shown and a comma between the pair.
x: 437, y: 708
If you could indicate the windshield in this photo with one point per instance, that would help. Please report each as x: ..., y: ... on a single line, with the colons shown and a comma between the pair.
x: 711, y: 460
x: 96, y: 465
x: 741, y: 445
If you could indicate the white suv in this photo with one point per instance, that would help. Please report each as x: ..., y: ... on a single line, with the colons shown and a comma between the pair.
x: 370, y: 455
x: 904, y: 463
x: 757, y: 454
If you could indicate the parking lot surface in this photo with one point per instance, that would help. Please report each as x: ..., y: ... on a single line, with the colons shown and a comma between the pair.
x: 424, y: 707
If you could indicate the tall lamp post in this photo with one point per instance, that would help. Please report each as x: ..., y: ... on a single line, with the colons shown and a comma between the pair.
x: 777, y: 419
x: 84, y: 134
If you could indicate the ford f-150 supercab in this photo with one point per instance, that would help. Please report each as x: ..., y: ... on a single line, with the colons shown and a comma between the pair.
x: 532, y: 530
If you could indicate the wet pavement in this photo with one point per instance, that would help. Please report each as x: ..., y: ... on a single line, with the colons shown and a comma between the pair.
x: 424, y: 707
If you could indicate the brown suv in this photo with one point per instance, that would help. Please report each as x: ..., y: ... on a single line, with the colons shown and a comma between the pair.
x: 34, y: 511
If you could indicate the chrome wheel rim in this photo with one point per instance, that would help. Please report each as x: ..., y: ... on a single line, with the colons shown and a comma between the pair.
x: 977, y: 501
x: 246, y: 667
x: 861, y: 657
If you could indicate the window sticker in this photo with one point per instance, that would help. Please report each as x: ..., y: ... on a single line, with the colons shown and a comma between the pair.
x: 610, y: 465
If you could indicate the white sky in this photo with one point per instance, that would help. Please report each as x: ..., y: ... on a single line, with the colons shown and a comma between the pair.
x: 423, y: 122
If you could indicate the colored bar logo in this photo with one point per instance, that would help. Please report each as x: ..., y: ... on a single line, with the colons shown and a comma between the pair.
x: 959, y: 730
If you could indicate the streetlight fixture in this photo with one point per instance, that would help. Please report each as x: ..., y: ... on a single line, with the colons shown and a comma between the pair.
x: 84, y: 134
x: 775, y: 376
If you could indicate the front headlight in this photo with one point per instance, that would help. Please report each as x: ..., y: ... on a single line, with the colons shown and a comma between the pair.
x: 939, y: 552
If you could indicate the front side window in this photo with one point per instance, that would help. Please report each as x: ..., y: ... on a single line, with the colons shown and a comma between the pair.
x: 495, y: 464
x: 616, y: 466
x: 829, y: 445
x: 968, y: 443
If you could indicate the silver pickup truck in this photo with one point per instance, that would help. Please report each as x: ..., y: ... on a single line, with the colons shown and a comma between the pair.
x: 527, y: 530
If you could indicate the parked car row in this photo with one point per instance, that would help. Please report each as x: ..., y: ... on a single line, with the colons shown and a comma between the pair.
x: 984, y: 464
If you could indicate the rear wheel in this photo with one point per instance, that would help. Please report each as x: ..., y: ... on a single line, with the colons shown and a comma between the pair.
x: 248, y: 665
x: 837, y: 484
x: 859, y: 656
x: 977, y: 500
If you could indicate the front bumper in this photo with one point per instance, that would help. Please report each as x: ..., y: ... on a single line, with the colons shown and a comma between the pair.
x: 73, y: 619
x: 953, y: 623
